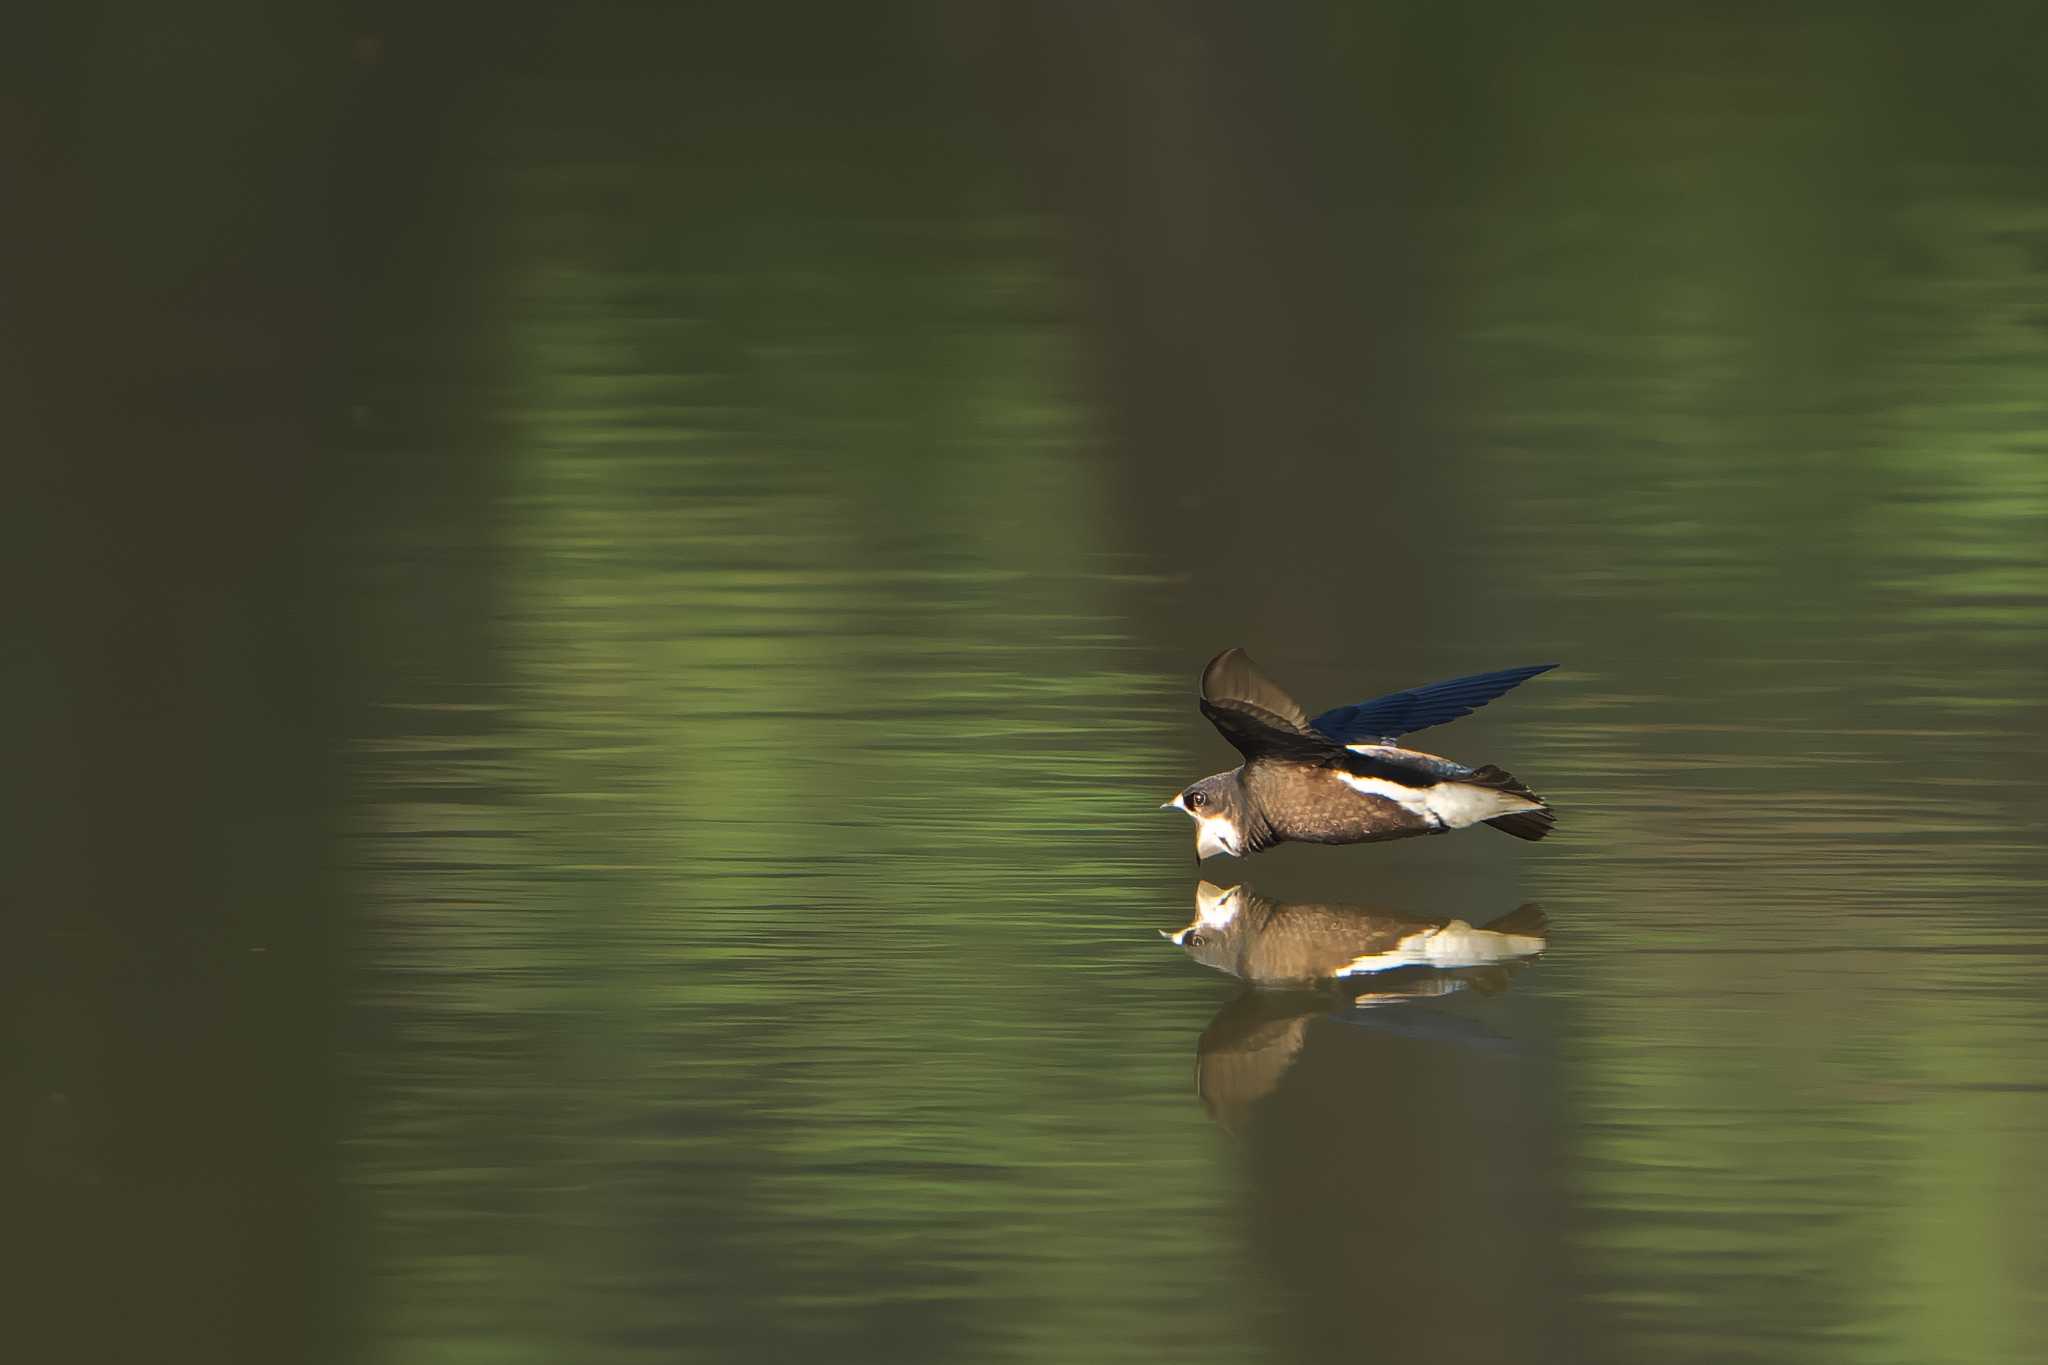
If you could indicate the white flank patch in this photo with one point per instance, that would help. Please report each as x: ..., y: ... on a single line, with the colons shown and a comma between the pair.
x: 1414, y: 800
x: 1454, y: 805
x: 1456, y: 944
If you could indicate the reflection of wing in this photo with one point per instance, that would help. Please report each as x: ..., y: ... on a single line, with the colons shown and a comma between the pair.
x: 1253, y: 1043
x: 1247, y: 1048
x: 1259, y: 719
x: 1403, y: 713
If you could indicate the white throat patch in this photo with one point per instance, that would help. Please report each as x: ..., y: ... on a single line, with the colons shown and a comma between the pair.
x: 1215, y: 834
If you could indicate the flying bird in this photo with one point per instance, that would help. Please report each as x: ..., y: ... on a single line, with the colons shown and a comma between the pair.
x: 1343, y: 778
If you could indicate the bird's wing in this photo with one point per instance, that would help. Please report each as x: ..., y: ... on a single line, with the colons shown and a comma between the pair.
x: 1418, y: 708
x: 1233, y: 679
x: 1259, y: 719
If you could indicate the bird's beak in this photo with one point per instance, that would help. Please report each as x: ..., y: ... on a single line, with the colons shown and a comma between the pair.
x: 1174, y: 804
x: 1166, y: 934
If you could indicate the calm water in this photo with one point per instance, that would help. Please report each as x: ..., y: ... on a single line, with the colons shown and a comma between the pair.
x: 786, y: 502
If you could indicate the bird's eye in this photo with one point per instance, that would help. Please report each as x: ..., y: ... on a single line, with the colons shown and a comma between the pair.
x: 1193, y: 941
x: 1197, y: 799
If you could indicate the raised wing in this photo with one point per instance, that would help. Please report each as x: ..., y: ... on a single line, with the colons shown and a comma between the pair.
x: 1259, y: 719
x: 1403, y: 713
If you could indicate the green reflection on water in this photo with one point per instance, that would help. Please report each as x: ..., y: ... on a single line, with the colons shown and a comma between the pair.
x: 761, y: 953
x: 811, y: 856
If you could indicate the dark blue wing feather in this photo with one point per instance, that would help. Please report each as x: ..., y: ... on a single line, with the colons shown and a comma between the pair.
x: 1403, y: 713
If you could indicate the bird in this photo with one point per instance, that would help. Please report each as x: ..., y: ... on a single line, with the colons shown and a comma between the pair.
x: 1343, y: 778
x: 1289, y: 944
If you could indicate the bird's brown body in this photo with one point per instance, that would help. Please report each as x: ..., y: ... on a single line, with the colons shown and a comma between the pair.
x: 1312, y: 805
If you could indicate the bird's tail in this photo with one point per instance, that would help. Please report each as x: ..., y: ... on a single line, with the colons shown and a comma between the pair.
x: 1527, y: 920
x: 1523, y: 824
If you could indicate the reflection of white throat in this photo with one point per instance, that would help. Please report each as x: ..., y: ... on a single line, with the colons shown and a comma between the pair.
x: 1216, y: 909
x: 1214, y: 835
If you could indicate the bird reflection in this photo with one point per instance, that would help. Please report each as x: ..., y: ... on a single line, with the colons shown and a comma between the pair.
x: 1275, y: 943
x: 1357, y: 968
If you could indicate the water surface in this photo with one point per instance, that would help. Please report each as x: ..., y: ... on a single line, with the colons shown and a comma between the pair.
x: 761, y: 954
x: 790, y: 482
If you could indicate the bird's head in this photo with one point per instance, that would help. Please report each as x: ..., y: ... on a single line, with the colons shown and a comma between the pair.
x: 1210, y: 939
x: 1216, y: 805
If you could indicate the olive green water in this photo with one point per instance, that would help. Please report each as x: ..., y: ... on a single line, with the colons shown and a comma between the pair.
x: 791, y: 482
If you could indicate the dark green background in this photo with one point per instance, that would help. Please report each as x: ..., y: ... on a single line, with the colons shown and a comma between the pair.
x: 605, y: 596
